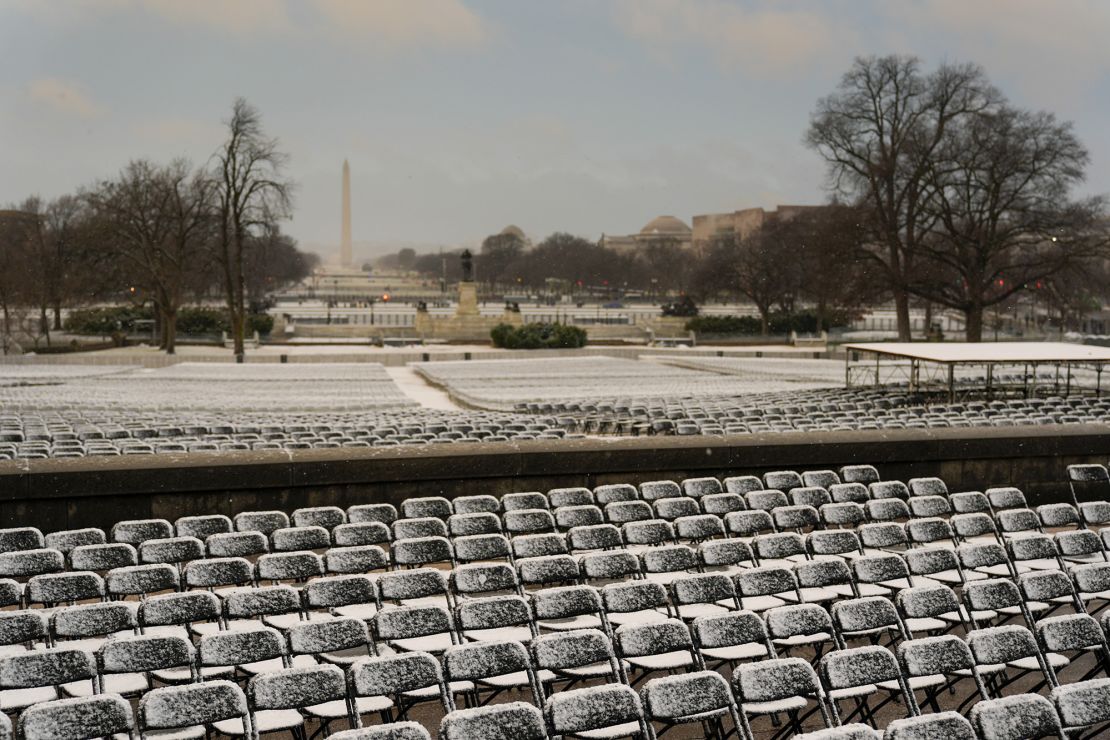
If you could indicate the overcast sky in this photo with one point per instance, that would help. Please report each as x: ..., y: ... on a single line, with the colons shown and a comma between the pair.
x: 462, y: 116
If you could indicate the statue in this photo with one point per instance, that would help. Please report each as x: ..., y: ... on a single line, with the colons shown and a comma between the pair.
x: 467, y: 266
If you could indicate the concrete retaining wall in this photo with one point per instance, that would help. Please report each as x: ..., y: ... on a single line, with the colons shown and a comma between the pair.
x: 61, y: 494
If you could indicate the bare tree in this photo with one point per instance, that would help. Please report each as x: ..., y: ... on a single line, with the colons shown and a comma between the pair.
x: 19, y: 230
x: 1003, y: 215
x: 158, y: 219
x: 251, y: 193
x: 755, y: 267
x: 878, y: 134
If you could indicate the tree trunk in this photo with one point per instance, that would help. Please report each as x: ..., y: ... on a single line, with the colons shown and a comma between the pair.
x: 928, y: 328
x: 764, y: 320
x: 44, y: 323
x: 902, y: 311
x: 57, y: 316
x: 973, y: 322
x: 169, y: 332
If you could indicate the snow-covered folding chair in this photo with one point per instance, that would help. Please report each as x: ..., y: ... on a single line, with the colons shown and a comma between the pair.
x: 480, y: 504
x: 609, y: 566
x: 328, y: 517
x: 188, y: 710
x: 702, y: 697
x: 1076, y: 634
x: 857, y: 674
x: 728, y: 556
x: 776, y: 686
x: 384, y: 513
x: 927, y: 487
x: 404, y: 680
x: 930, y: 609
x: 237, y: 545
x: 888, y: 489
x: 1006, y: 654
x: 390, y: 731
x: 1034, y: 552
x: 568, y: 518
x: 1018, y: 717
x: 854, y: 492
x: 261, y: 521
x: 610, y: 711
x: 741, y: 484
x: 1002, y: 597
x: 1006, y: 497
x: 536, y: 546
x: 479, y: 547
x: 558, y: 497
x: 782, y: 480
x: 880, y: 575
x: 722, y: 503
x: 426, y: 506
x: 859, y: 474
x: 220, y: 575
x: 484, y: 579
x: 495, y: 617
x: 635, y: 602
x: 361, y: 534
x: 524, y: 501
x: 1080, y: 547
x: 279, y: 701
x: 701, y: 594
x: 846, y: 514
x: 1083, y: 705
x: 416, y: 587
x: 202, y: 526
x: 417, y: 527
x: 1018, y: 523
x: 824, y: 581
x: 881, y: 538
x: 975, y: 528
x: 136, y: 531
x: 35, y: 676
x: 68, y: 539
x: 414, y: 629
x: 870, y: 617
x: 567, y: 608
x: 1092, y: 582
x: 746, y: 525
x: 798, y: 625
x: 125, y: 664
x: 593, y: 537
x: 106, y: 715
x: 970, y: 502
x: 656, y: 646
x: 574, y: 656
x: 766, y: 500
x: 614, y: 492
x: 731, y: 638
x: 936, y: 664
x: 947, y: 725
x: 96, y: 558
x: 517, y: 720
x: 483, y: 670
x: 937, y: 565
x: 1082, y: 479
x: 888, y: 510
x: 764, y: 588
x: 421, y: 551
x: 988, y: 559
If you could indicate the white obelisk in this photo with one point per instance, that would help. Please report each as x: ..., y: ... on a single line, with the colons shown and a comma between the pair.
x: 345, y: 257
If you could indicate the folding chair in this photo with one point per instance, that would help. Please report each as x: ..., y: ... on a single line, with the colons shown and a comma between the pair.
x: 947, y: 725
x: 1082, y: 706
x: 603, y: 711
x: 126, y: 663
x: 510, y: 721
x: 936, y: 664
x: 702, y: 697
x: 90, y: 717
x: 574, y: 656
x: 870, y: 617
x: 857, y: 674
x: 775, y: 686
x: 635, y: 602
x: 1019, y: 717
x: 190, y: 708
x: 1072, y: 633
x: 656, y: 646
x: 415, y: 629
x: 496, y: 666
x: 35, y: 676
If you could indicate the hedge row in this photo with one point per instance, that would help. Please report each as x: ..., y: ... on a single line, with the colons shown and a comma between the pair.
x: 190, y: 321
x: 803, y: 322
x: 538, y: 336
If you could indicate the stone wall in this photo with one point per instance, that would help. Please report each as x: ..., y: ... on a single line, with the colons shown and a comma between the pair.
x: 60, y: 494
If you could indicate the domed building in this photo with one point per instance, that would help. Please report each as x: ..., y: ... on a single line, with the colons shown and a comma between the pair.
x: 659, y: 229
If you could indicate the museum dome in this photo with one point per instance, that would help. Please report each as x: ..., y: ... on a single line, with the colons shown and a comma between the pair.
x: 665, y: 226
x: 513, y: 230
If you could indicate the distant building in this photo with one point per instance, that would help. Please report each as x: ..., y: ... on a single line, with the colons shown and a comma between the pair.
x: 660, y: 228
x: 514, y: 230
x: 742, y: 223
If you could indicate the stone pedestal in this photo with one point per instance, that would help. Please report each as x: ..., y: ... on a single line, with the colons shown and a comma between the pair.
x: 468, y: 299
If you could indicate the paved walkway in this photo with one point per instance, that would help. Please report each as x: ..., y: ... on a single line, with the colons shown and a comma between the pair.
x: 415, y: 387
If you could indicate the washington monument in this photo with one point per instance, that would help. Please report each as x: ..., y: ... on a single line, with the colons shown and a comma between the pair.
x: 345, y: 241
